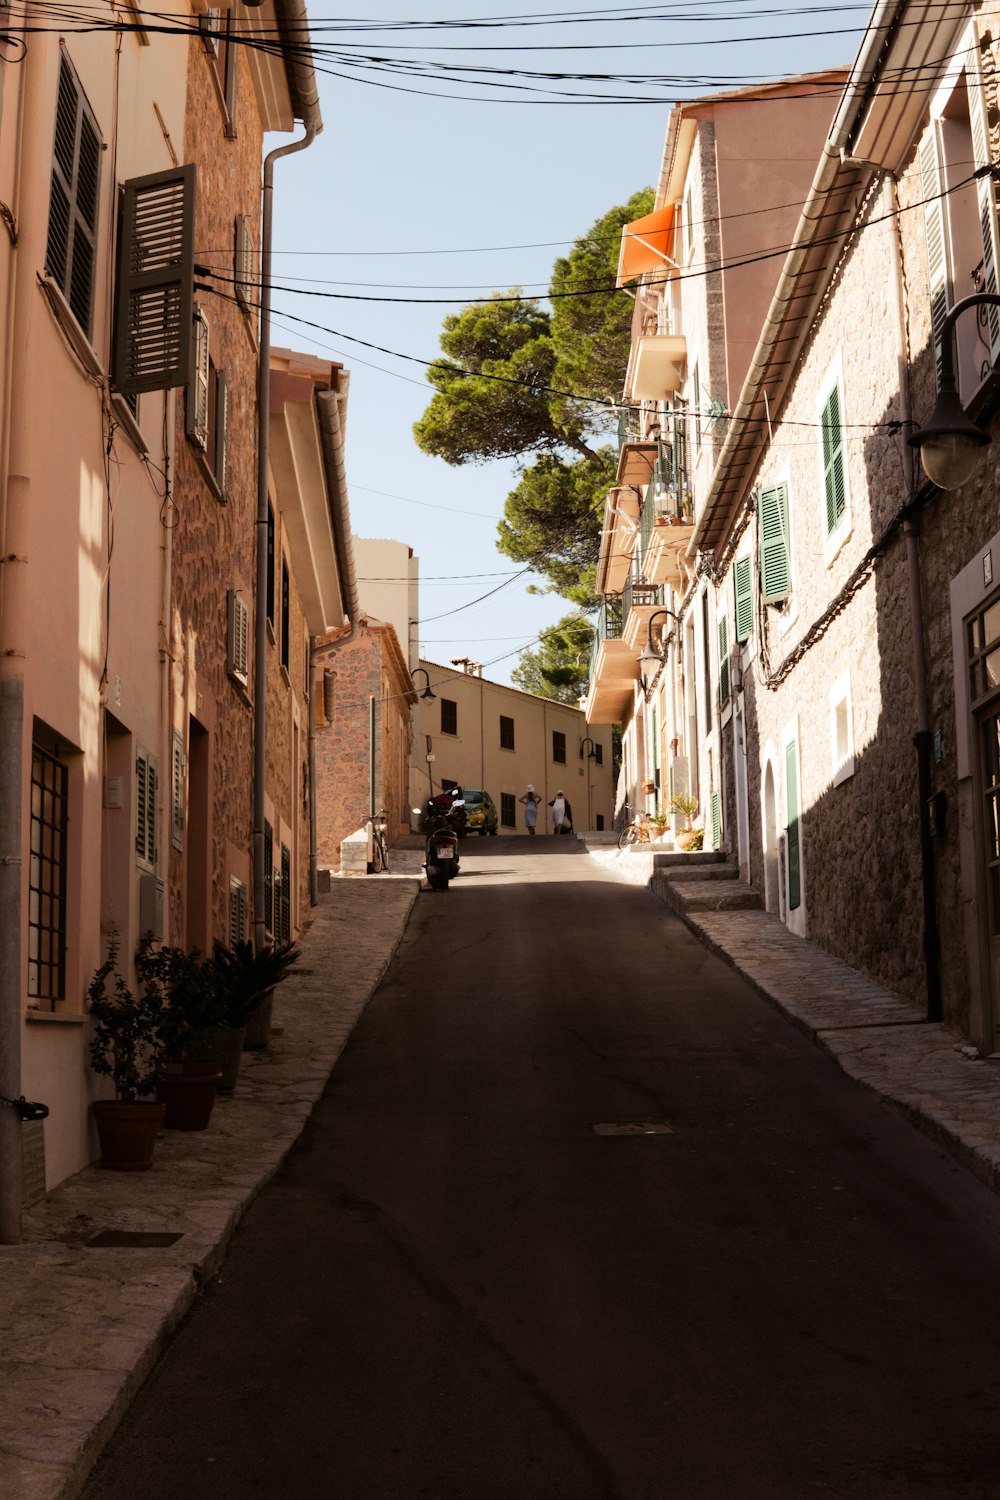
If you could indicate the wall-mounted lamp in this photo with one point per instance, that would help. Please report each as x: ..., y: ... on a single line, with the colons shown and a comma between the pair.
x: 428, y: 691
x: 650, y: 656
x: 949, y: 445
x: 591, y: 753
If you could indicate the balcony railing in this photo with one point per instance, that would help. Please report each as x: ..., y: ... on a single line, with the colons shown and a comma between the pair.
x: 610, y: 620
x: 667, y: 497
x: 638, y: 594
x: 629, y: 426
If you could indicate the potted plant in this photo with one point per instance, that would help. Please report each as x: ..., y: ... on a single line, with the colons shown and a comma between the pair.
x: 247, y: 981
x: 685, y: 805
x: 657, y: 824
x: 649, y: 786
x: 125, y: 1048
x: 189, y: 1073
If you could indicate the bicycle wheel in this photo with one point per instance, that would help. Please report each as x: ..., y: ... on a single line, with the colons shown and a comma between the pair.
x: 385, y: 854
x: 627, y: 836
x: 378, y: 854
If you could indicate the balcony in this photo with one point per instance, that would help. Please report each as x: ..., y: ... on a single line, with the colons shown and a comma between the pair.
x: 612, y: 667
x: 656, y: 367
x: 618, y: 539
x: 640, y: 599
x: 666, y: 522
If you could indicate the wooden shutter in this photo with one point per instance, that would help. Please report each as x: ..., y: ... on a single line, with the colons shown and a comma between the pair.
x: 985, y: 192
x: 145, y: 808
x: 237, y: 911
x: 71, y: 247
x: 743, y: 591
x: 715, y: 805
x: 935, y: 231
x: 833, y: 461
x: 196, y: 417
x: 153, y: 293
x: 177, y: 792
x: 237, y: 655
x: 268, y: 876
x: 792, y: 826
x: 244, y: 265
x: 285, y: 932
x: 221, y: 430
x: 775, y: 571
x: 723, y: 660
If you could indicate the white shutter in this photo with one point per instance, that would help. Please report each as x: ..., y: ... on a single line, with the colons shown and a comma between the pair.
x: 985, y: 194
x: 197, y: 391
x: 936, y: 225
x: 237, y: 646
x: 244, y: 268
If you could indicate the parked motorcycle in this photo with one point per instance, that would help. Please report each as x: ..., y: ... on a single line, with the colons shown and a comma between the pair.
x: 441, y: 845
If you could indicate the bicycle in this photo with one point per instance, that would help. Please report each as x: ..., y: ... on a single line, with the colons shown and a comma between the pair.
x: 636, y: 831
x: 380, y: 848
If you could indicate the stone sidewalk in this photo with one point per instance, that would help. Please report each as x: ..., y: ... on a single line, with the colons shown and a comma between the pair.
x: 82, y: 1325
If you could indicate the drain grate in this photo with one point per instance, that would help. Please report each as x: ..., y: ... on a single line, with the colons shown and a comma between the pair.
x: 634, y: 1127
x: 132, y: 1239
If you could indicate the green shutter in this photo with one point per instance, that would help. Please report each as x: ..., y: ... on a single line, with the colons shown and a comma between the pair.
x: 833, y: 461
x: 775, y: 572
x: 723, y: 660
x: 715, y: 805
x: 792, y: 827
x: 743, y: 590
x: 935, y: 231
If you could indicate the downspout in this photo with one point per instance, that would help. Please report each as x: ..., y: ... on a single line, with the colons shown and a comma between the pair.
x: 331, y: 432
x: 11, y: 769
x: 299, y: 63
x: 923, y: 740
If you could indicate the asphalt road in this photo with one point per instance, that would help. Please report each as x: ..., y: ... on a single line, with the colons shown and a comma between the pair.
x: 457, y: 1289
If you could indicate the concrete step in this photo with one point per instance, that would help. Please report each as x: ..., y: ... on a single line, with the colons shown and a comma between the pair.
x: 706, y: 895
x: 687, y: 873
x: 680, y: 859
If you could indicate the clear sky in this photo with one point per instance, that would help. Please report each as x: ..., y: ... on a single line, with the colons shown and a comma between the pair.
x: 443, y: 187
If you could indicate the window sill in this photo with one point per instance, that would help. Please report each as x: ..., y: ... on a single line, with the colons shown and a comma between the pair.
x: 838, y: 539
x: 208, y: 473
x: 57, y: 1018
x: 128, y: 423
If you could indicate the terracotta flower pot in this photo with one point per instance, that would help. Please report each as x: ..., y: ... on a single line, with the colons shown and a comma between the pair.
x: 223, y: 1046
x: 258, y: 1028
x: 127, y: 1131
x: 188, y: 1091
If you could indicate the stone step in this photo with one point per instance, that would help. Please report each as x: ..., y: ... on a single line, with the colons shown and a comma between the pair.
x: 678, y: 859
x: 687, y: 873
x: 706, y: 895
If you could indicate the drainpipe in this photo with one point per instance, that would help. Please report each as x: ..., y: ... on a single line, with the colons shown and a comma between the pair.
x: 331, y: 433
x: 299, y: 62
x: 923, y: 739
x: 11, y: 757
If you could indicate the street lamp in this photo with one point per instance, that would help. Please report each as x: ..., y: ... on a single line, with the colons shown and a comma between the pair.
x: 949, y: 445
x: 428, y: 691
x: 650, y: 655
x: 591, y: 753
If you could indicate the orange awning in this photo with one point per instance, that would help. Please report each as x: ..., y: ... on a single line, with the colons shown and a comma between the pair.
x: 646, y: 244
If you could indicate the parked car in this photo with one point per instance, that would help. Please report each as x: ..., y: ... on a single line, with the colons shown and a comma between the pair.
x: 480, y: 811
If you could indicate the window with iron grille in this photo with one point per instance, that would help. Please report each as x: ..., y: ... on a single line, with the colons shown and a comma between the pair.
x: 558, y: 747
x: 71, y: 247
x: 47, y: 877
x: 508, y: 810
x: 449, y: 716
x: 506, y: 733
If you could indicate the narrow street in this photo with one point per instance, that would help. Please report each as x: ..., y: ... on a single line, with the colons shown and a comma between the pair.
x: 459, y: 1288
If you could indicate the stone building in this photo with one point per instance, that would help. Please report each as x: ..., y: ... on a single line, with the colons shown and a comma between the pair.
x: 477, y: 733
x: 127, y: 474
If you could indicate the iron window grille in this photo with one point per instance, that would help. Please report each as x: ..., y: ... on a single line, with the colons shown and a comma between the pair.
x: 47, y: 877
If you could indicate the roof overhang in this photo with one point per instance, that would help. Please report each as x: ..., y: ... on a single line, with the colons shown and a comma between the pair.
x: 655, y: 367
x: 905, y: 47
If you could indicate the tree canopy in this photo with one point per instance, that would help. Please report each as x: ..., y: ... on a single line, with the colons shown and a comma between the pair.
x: 506, y: 388
x: 560, y: 666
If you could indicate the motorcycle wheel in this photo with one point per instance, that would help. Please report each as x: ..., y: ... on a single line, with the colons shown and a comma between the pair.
x: 438, y: 881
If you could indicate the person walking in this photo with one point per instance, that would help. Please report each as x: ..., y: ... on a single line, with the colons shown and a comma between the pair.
x: 558, y: 806
x: 530, y: 801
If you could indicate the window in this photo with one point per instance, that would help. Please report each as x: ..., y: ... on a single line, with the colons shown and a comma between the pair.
x: 207, y: 408
x: 244, y: 278
x: 723, y: 661
x: 834, y: 461
x: 599, y: 754
x: 151, y: 346
x: 284, y: 912
x: 145, y: 809
x: 268, y: 877
x: 177, y: 773
x: 237, y: 911
x: 448, y: 786
x: 215, y: 30
x: 238, y: 638
x: 960, y: 218
x: 47, y: 877
x: 449, y: 716
x: 841, y: 729
x: 508, y: 810
x: 558, y: 747
x: 775, y: 564
x: 285, y: 589
x: 599, y: 823
x: 743, y: 599
x: 270, y: 564
x: 506, y: 733
x: 71, y: 248
x: 792, y: 850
